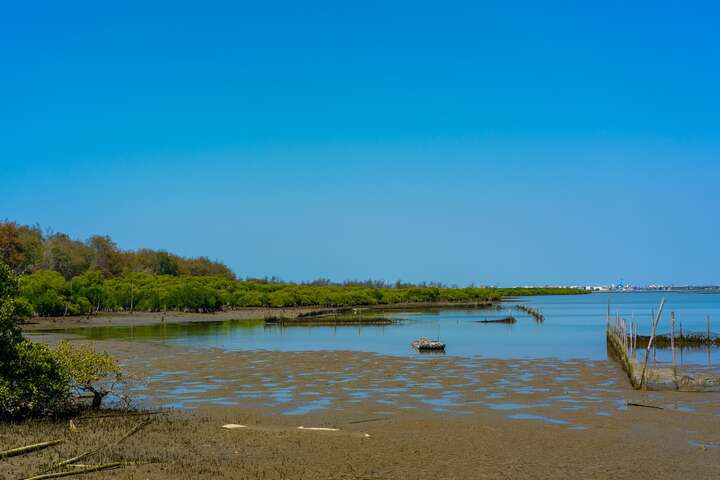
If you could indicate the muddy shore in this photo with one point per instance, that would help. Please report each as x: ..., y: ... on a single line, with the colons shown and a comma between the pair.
x: 251, y: 313
x: 427, y: 417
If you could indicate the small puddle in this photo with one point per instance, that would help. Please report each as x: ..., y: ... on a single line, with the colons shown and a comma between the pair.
x: 704, y: 445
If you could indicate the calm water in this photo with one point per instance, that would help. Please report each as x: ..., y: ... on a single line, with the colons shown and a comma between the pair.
x: 574, y: 328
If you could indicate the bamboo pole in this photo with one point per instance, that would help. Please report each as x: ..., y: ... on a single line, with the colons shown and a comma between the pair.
x: 608, y: 314
x: 92, y: 452
x: 708, y: 328
x: 67, y: 473
x: 650, y: 342
x: 709, y: 341
x: 627, y: 337
x: 672, y: 339
x: 637, y: 332
x: 29, y: 448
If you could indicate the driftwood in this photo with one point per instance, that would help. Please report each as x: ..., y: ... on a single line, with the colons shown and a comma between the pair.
x: 67, y: 473
x: 368, y: 420
x: 93, y: 452
x: 28, y: 448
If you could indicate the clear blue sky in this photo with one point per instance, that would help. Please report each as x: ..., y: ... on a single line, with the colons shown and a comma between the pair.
x: 489, y: 142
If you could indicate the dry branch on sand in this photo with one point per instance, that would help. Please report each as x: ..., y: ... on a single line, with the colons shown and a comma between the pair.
x: 70, y: 462
x: 67, y: 473
x: 28, y: 448
x: 131, y: 432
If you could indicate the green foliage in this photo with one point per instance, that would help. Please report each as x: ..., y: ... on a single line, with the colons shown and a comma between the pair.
x: 11, y: 313
x: 69, y: 277
x: 50, y: 294
x: 32, y: 382
x: 33, y: 379
x: 27, y: 250
x: 88, y: 370
x: 47, y: 292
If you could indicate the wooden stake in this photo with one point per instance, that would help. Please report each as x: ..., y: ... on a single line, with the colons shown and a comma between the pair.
x: 92, y: 452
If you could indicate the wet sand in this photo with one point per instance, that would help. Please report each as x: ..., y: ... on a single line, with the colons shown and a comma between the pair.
x: 427, y: 417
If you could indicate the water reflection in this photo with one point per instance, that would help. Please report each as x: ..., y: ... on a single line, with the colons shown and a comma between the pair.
x: 573, y: 328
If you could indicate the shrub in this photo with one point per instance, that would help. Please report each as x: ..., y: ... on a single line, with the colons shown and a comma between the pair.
x: 35, y: 380
x: 87, y: 370
x: 32, y: 382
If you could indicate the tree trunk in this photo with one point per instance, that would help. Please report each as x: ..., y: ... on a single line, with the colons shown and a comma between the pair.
x: 97, y: 399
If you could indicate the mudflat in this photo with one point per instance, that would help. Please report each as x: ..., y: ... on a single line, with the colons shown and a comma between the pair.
x: 426, y: 417
x: 117, y: 319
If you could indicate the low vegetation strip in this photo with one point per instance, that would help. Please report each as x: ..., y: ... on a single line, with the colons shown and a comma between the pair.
x: 687, y: 340
x: 48, y: 294
x: 61, y: 276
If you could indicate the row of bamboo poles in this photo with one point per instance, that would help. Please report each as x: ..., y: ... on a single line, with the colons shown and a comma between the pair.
x: 629, y: 337
x: 623, y: 336
x: 533, y: 312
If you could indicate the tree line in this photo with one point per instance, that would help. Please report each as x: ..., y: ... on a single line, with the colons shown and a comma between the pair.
x: 61, y: 276
x: 26, y: 249
x: 48, y: 293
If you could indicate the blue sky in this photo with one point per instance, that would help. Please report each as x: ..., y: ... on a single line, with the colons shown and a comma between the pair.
x: 486, y: 142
